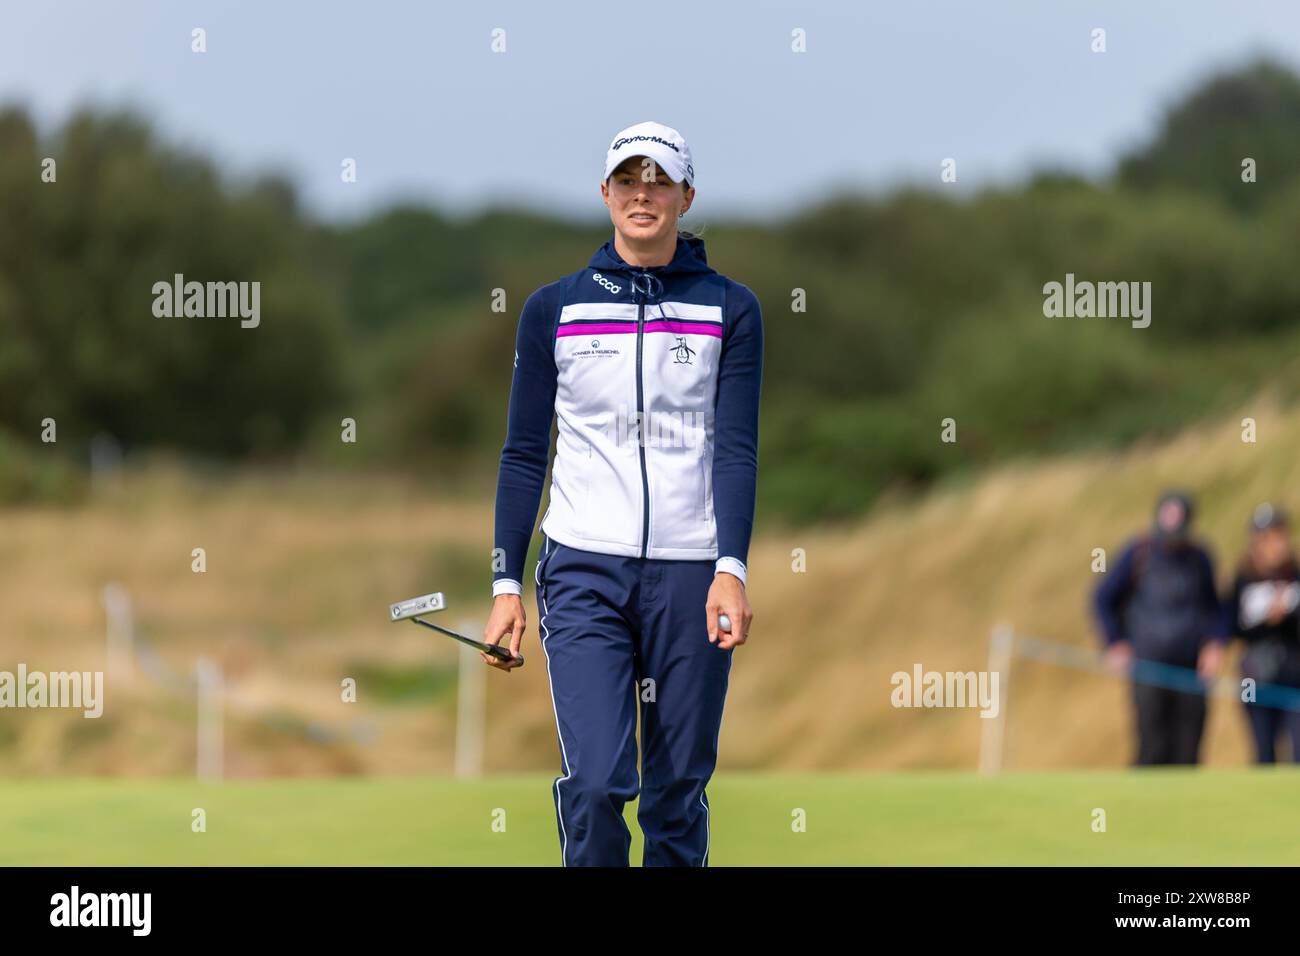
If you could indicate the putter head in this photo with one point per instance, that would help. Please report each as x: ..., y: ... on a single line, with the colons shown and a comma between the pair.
x: 413, y: 607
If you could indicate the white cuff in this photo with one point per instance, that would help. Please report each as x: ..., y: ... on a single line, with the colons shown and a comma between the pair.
x: 731, y: 566
x: 506, y: 586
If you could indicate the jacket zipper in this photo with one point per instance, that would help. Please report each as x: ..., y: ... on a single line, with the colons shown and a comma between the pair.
x: 640, y: 431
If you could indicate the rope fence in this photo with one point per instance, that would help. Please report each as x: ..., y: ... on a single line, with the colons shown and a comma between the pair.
x: 1005, y: 645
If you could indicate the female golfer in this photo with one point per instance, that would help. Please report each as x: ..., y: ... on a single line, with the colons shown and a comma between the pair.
x: 651, y: 362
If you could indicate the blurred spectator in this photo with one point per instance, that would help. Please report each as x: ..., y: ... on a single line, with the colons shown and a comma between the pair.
x: 1261, y: 609
x: 1158, y: 604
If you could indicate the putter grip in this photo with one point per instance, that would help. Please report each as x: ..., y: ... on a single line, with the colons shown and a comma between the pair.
x: 503, y: 653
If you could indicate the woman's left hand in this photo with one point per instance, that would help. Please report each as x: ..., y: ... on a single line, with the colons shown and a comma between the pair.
x: 727, y: 596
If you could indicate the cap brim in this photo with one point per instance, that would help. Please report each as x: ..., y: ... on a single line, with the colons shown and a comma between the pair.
x: 663, y: 160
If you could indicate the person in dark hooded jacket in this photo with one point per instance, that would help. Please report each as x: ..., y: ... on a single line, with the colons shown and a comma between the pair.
x: 1158, y: 610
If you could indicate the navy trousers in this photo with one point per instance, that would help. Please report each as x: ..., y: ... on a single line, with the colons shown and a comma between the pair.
x: 1266, y: 725
x: 623, y: 635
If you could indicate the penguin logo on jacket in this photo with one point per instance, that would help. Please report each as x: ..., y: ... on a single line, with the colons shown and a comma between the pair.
x: 684, y: 351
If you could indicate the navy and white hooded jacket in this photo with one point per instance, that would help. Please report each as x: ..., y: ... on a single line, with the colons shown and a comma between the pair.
x: 654, y: 376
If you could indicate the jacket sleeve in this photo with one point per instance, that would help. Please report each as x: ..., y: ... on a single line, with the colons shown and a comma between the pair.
x: 528, y: 442
x: 1111, y: 594
x: 735, y: 449
x: 1210, y: 600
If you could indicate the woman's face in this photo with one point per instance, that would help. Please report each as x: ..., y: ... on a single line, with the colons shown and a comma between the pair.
x: 645, y: 211
x: 1271, y: 547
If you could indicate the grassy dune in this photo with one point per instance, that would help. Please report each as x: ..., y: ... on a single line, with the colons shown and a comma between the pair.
x: 300, y: 570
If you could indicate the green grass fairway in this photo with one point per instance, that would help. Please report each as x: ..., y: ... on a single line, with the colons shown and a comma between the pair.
x: 1173, y: 817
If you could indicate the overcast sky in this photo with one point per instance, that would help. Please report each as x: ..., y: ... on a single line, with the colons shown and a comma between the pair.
x: 413, y: 91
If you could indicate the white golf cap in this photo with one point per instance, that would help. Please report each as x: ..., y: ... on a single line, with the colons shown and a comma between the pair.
x: 661, y: 143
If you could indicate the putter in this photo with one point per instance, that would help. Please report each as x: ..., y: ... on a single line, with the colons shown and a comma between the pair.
x: 410, y: 610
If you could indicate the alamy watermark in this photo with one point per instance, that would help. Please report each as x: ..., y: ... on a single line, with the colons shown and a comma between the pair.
x: 661, y: 429
x: 80, y: 690
x: 212, y: 300
x: 75, y: 908
x: 922, y: 688
x: 1102, y: 300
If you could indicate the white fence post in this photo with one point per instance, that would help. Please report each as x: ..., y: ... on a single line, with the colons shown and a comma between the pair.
x: 471, y: 709
x: 105, y: 462
x: 120, y: 633
x: 993, y: 733
x: 211, y: 735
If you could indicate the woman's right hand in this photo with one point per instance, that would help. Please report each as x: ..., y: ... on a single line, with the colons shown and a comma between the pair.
x: 506, y: 620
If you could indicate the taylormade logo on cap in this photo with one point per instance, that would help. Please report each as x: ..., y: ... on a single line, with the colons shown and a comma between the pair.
x: 661, y: 143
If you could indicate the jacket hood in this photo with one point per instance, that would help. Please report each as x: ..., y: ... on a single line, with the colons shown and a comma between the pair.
x: 689, y: 257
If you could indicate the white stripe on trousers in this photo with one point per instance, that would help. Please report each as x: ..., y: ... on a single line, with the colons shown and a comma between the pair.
x: 707, y: 835
x: 555, y: 784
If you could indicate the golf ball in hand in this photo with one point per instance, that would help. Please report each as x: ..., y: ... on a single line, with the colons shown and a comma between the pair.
x: 724, y: 622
